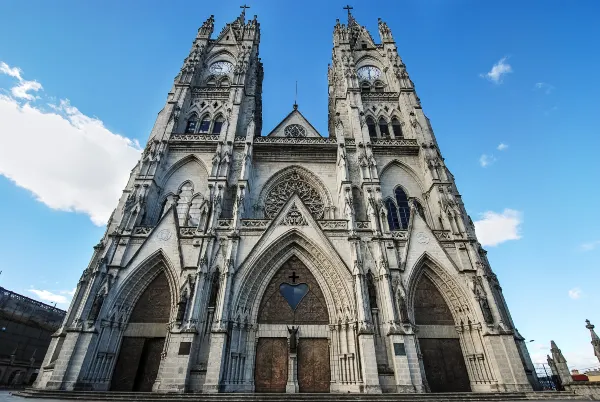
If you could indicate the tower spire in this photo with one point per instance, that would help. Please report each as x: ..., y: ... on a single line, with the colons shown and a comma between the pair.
x: 243, y: 15
x: 351, y: 19
x: 595, y: 338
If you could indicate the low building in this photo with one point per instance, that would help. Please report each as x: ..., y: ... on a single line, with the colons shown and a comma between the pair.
x: 25, y: 329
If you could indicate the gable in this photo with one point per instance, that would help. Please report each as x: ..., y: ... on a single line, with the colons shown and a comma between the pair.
x: 301, y: 124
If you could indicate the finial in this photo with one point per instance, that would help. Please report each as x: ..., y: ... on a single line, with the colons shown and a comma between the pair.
x: 296, y: 97
x: 589, y: 325
x: 350, y: 18
x: 244, y: 7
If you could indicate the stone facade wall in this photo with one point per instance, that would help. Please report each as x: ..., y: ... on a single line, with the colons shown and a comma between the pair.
x: 219, y: 211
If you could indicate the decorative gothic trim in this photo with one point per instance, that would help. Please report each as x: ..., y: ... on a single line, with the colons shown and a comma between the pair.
x: 395, y: 143
x: 294, y: 180
x: 254, y: 280
x: 194, y: 137
x: 334, y: 225
x: 293, y: 217
x: 294, y: 140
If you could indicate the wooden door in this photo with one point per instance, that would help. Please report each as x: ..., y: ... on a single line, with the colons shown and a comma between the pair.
x: 444, y: 365
x: 271, y: 370
x: 149, y: 364
x: 127, y: 365
x: 314, y: 373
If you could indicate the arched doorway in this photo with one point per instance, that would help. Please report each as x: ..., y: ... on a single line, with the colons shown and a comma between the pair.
x: 140, y: 353
x: 293, y: 304
x: 443, y: 358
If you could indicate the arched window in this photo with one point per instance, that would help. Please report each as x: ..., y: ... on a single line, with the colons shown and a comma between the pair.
x: 397, y: 128
x: 218, y: 125
x: 403, y: 208
x: 383, y: 128
x: 365, y: 87
x: 224, y: 82
x: 392, y: 215
x: 371, y: 290
x: 211, y: 82
x: 190, y: 127
x: 204, y: 124
x: 371, y: 127
x: 379, y: 86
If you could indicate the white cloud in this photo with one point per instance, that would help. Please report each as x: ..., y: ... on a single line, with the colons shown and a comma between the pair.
x: 14, y: 72
x: 494, y: 228
x: 590, y: 246
x: 502, y: 147
x: 68, y: 160
x: 20, y: 91
x: 498, y: 71
x: 68, y: 292
x: 543, y: 86
x: 485, y: 160
x: 575, y: 293
x: 46, y: 295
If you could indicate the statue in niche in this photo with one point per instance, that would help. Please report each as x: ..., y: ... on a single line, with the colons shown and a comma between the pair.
x: 96, y: 306
x: 401, y: 301
x: 481, y: 297
x: 181, y: 307
x: 293, y: 338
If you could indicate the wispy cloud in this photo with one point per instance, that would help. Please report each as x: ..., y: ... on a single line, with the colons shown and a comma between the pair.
x: 575, y: 293
x: 498, y: 71
x: 494, y: 228
x: 72, y: 162
x: 545, y: 87
x: 589, y: 246
x: 46, y: 295
x: 485, y: 160
x: 502, y: 147
x: 22, y: 89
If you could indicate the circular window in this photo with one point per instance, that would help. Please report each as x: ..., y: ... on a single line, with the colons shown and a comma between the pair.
x: 294, y: 130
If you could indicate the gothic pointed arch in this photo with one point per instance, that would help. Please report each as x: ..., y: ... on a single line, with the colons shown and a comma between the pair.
x: 134, y: 285
x: 295, y: 180
x: 448, y: 287
x: 221, y: 55
x: 257, y: 272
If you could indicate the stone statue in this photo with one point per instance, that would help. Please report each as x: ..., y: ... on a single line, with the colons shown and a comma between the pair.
x: 181, y: 308
x: 293, y: 338
x: 96, y: 306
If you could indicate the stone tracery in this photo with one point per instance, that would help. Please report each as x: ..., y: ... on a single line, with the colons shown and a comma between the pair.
x: 291, y: 183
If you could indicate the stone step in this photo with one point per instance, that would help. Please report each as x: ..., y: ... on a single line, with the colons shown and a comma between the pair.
x: 441, y: 397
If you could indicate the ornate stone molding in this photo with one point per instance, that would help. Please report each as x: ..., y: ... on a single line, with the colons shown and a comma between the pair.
x: 199, y: 94
x: 380, y: 96
x: 142, y: 230
x: 443, y: 235
x: 399, y: 234
x: 294, y: 140
x: 206, y: 138
x: 334, y: 224
x: 398, y: 142
x: 293, y: 217
x: 255, y: 223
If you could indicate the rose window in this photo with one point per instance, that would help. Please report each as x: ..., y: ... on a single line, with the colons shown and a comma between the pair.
x: 282, y: 191
x: 294, y: 130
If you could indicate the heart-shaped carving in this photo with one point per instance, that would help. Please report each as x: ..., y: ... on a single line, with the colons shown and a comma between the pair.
x: 293, y: 294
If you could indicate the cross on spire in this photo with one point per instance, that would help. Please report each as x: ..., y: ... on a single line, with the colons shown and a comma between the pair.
x: 293, y: 277
x: 244, y: 7
x: 350, y: 17
x: 348, y: 7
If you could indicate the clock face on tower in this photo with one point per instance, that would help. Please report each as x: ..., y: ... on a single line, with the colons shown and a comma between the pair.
x: 221, y: 68
x: 369, y: 73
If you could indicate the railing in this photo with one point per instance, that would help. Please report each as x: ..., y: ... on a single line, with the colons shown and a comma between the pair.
x: 295, y: 140
x: 398, y: 142
x: 255, y: 223
x: 399, y: 234
x: 334, y: 224
x: 6, y: 295
x: 187, y: 137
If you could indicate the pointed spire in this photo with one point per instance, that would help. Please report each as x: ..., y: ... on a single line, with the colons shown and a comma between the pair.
x: 385, y: 33
x: 556, y: 353
x: 351, y: 19
x: 206, y: 30
x: 595, y: 339
x: 242, y: 17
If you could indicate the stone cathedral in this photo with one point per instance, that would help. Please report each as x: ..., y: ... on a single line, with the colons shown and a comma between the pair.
x: 245, y: 260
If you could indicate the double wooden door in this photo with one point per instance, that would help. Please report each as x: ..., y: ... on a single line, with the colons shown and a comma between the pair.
x: 271, y: 370
x: 137, y: 365
x: 444, y: 365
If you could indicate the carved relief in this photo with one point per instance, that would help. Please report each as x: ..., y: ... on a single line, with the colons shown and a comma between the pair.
x: 294, y: 183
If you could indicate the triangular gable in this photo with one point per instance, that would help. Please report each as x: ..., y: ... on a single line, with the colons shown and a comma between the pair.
x: 228, y: 36
x: 165, y: 237
x: 421, y: 239
x: 295, y: 117
x: 294, y: 216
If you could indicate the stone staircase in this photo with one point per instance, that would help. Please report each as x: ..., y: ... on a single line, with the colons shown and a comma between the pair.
x: 443, y: 397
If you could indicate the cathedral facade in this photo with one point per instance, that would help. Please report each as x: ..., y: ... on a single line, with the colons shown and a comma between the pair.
x: 295, y: 261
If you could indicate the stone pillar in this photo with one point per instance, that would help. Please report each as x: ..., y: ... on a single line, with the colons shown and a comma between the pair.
x: 370, y: 376
x: 216, y: 356
x: 292, y: 383
x: 399, y: 359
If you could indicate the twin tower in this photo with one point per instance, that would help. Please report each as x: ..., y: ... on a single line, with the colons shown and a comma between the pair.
x: 295, y: 261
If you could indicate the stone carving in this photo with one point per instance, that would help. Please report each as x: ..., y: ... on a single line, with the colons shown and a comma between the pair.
x: 422, y: 238
x: 293, y: 218
x: 394, y: 143
x: 334, y: 224
x: 164, y: 235
x: 294, y: 140
x: 293, y: 338
x: 96, y: 306
x: 282, y: 192
x: 255, y: 223
x: 399, y: 234
x: 481, y: 297
x: 294, y: 130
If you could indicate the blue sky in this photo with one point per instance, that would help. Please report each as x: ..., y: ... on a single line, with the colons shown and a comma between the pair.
x: 522, y: 74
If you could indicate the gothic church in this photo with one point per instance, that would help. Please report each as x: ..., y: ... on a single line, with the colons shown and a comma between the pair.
x: 244, y: 260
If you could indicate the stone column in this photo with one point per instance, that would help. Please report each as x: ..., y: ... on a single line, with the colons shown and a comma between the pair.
x: 292, y: 383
